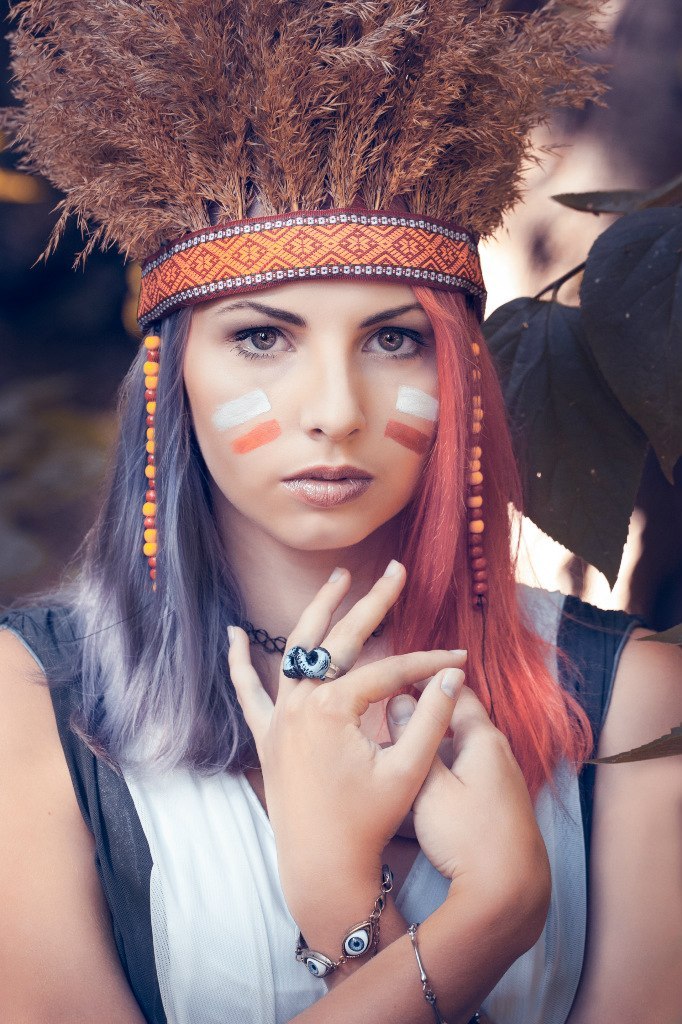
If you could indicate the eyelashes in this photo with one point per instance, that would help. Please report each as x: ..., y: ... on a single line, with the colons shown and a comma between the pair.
x: 242, y: 340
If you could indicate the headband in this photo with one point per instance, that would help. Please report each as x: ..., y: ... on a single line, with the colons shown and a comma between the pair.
x: 248, y: 255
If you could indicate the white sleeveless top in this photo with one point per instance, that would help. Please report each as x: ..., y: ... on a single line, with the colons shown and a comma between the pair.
x: 224, y: 938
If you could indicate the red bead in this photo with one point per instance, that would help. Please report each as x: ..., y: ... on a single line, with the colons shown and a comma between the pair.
x: 152, y: 573
x: 476, y: 550
x: 152, y: 562
x: 153, y: 355
x: 481, y: 576
x: 478, y: 563
x: 150, y: 495
x: 480, y: 588
x: 150, y: 421
x: 150, y: 460
x: 150, y: 521
x: 150, y: 394
x: 476, y: 489
x: 475, y: 513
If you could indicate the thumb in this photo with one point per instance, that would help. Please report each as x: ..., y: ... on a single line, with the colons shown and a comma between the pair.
x: 399, y: 711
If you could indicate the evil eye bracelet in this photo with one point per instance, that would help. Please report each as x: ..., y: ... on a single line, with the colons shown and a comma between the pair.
x: 359, y: 940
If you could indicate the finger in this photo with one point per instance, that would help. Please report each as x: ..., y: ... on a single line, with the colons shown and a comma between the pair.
x: 254, y: 700
x: 425, y: 724
x: 382, y: 679
x: 313, y: 624
x: 349, y: 635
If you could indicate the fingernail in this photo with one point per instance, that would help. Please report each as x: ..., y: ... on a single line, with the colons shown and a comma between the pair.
x: 401, y: 710
x: 230, y: 633
x: 336, y: 575
x: 452, y: 681
x: 393, y: 568
x: 460, y: 654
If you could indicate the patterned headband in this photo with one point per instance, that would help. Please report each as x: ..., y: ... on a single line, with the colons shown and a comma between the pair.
x: 247, y: 255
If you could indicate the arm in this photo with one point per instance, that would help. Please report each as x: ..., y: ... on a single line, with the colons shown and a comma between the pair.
x: 56, y: 947
x: 633, y: 962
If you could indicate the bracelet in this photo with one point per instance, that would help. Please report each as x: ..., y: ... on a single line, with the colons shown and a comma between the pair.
x: 362, y: 938
x: 429, y: 994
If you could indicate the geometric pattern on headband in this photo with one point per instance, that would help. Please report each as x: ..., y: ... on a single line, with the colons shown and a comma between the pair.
x: 248, y: 255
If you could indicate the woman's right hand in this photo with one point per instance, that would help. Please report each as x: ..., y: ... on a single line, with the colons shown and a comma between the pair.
x: 476, y: 817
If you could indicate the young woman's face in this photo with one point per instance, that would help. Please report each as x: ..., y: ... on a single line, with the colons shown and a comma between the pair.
x: 314, y: 405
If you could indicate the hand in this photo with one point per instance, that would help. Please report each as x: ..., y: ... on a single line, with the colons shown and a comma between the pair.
x: 334, y: 796
x: 476, y: 816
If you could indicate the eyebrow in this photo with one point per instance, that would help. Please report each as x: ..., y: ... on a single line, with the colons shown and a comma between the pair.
x: 298, y: 321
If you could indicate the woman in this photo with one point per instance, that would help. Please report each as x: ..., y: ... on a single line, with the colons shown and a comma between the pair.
x: 316, y: 469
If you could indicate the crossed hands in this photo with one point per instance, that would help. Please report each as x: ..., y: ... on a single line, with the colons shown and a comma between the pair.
x: 335, y: 797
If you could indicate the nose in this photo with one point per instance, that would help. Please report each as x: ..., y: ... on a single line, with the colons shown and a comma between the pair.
x: 332, y: 398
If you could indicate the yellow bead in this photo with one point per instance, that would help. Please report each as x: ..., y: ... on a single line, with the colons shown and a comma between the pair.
x: 475, y: 428
x: 152, y: 369
x: 478, y: 415
x: 149, y: 549
x: 150, y: 472
x: 152, y: 341
x: 475, y: 465
x: 150, y: 433
x: 476, y: 452
x: 474, y: 478
x: 149, y: 508
x: 476, y: 526
x: 151, y: 382
x: 475, y: 502
x: 150, y: 535
x: 151, y: 408
x: 477, y: 401
x: 150, y: 447
x: 476, y: 348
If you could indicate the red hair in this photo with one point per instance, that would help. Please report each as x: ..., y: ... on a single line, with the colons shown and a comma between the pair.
x: 542, y: 722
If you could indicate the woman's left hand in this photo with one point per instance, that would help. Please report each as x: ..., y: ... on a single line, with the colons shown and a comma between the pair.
x: 334, y: 796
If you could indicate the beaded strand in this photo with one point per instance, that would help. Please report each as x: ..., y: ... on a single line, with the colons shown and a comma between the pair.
x: 151, y: 376
x: 476, y: 523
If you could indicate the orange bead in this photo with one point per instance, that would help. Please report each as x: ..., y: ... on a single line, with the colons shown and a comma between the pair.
x: 150, y: 447
x: 475, y: 428
x: 150, y: 472
x: 476, y: 401
x: 151, y: 408
x: 476, y: 478
x: 150, y: 535
x: 149, y: 548
x: 475, y: 348
x: 149, y: 508
x: 477, y: 415
x: 476, y: 452
x: 151, y: 369
x: 475, y: 465
x: 150, y: 433
x: 152, y: 341
x: 150, y: 383
x: 475, y: 501
x: 476, y: 526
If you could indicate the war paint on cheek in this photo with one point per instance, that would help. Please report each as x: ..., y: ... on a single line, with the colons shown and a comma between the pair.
x: 241, y: 409
x: 408, y: 437
x: 418, y: 403
x: 260, y: 435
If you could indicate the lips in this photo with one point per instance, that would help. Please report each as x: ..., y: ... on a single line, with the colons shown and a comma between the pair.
x: 328, y: 486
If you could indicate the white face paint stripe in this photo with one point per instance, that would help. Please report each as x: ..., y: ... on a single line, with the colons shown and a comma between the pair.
x: 417, y: 403
x: 240, y: 410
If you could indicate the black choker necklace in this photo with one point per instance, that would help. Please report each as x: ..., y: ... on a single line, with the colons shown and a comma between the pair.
x: 278, y: 644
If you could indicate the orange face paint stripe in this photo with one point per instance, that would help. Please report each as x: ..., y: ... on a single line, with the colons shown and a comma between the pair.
x: 409, y: 437
x: 260, y: 435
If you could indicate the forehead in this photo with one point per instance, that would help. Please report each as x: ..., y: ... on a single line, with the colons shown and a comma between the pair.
x: 350, y: 302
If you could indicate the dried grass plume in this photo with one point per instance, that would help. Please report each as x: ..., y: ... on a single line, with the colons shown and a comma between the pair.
x: 158, y: 117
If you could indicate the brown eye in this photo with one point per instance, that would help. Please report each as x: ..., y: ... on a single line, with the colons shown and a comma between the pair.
x: 264, y: 339
x: 391, y: 341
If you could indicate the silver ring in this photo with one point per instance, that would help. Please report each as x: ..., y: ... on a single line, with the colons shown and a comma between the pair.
x: 333, y: 672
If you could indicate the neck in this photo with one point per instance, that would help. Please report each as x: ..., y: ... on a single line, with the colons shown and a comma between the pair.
x: 277, y: 582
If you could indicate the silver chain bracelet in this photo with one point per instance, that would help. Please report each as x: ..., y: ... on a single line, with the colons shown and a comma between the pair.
x: 429, y: 994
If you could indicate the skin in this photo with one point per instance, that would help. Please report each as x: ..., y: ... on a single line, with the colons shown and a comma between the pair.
x: 284, y: 554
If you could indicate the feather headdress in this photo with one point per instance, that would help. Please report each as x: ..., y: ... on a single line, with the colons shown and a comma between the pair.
x: 160, y: 117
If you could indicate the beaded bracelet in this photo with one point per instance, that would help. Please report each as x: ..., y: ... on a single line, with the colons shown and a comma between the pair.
x: 362, y: 938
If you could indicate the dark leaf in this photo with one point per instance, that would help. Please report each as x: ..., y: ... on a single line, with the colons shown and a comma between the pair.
x: 631, y: 298
x: 623, y: 200
x: 670, y: 636
x: 664, y: 746
x: 581, y: 457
